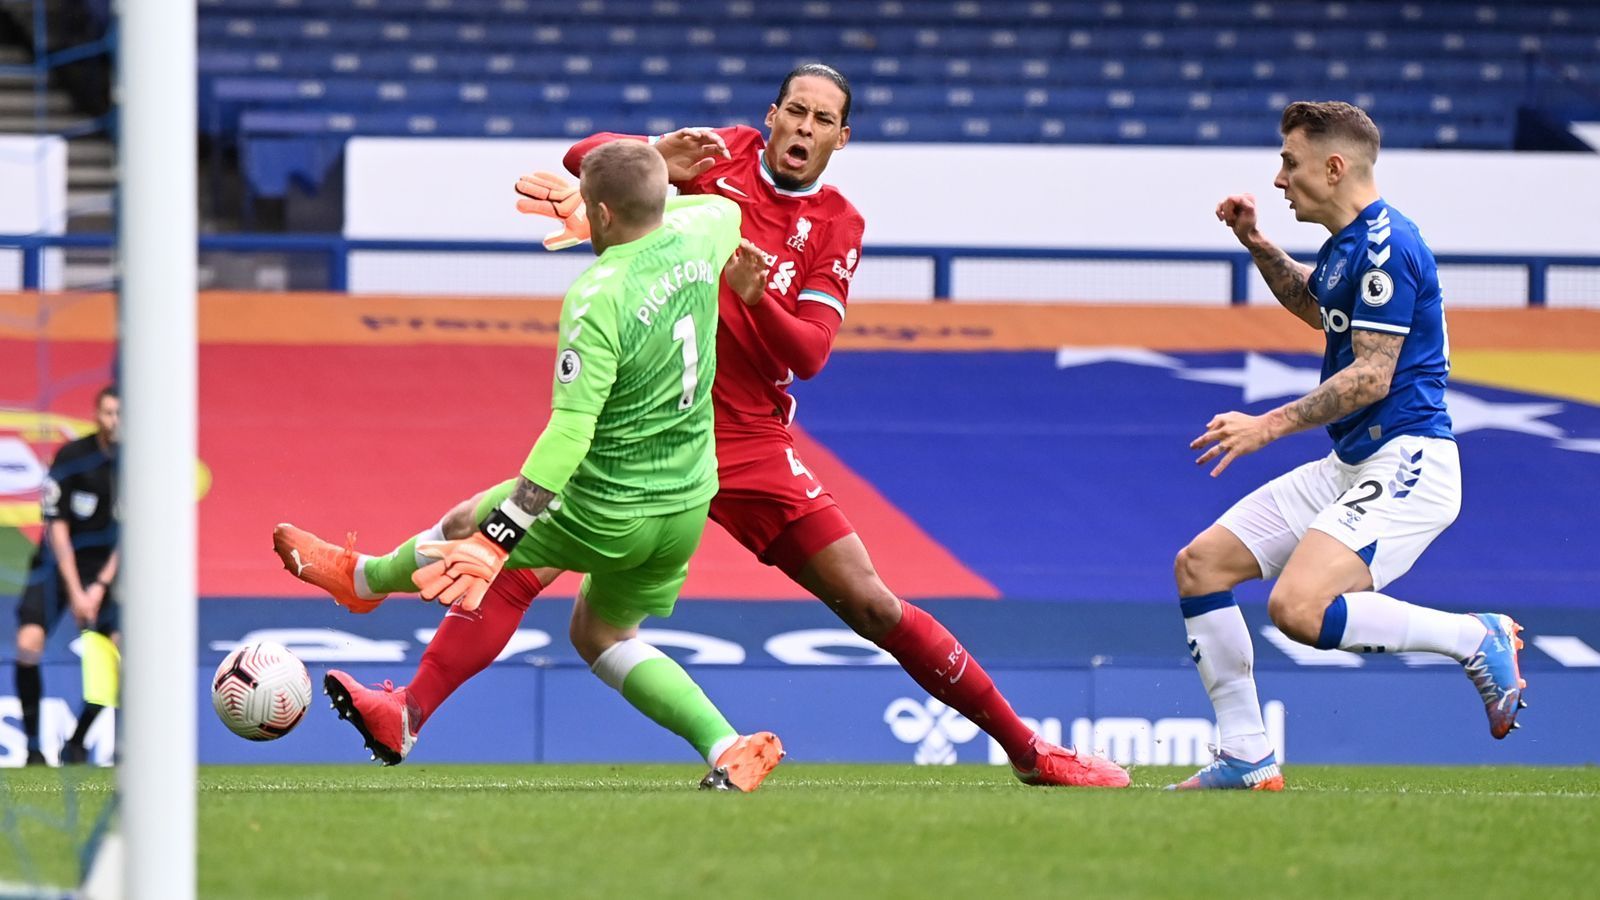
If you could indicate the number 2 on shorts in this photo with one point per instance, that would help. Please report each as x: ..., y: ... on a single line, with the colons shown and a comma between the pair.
x: 1373, y: 490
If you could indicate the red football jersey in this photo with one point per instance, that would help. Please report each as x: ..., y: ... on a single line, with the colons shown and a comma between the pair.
x: 813, y: 237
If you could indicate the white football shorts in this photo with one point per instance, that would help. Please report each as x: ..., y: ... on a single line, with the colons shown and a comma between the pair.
x: 1387, y: 508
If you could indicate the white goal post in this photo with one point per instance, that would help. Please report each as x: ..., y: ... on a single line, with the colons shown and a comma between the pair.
x: 156, y: 235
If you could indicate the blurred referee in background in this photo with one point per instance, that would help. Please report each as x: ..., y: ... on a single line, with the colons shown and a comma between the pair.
x: 74, y: 567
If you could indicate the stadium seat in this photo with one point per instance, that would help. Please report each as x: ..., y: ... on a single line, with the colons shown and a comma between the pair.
x: 1436, y: 72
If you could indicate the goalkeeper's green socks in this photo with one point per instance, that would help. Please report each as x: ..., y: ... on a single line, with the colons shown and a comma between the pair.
x: 658, y: 687
x: 391, y: 574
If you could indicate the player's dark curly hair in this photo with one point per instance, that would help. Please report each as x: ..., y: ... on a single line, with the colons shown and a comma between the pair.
x: 1332, y: 118
x: 818, y: 70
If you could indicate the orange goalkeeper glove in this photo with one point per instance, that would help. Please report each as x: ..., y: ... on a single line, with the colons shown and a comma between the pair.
x: 463, y: 572
x: 547, y: 194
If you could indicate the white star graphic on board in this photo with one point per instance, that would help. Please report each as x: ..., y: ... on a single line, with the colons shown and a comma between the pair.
x: 1262, y: 377
x: 1468, y: 413
x: 1068, y: 357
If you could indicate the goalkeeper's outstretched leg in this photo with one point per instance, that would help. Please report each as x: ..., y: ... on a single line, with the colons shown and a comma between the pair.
x: 323, y: 564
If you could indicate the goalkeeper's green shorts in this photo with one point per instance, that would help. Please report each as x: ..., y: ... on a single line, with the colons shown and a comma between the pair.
x: 634, y: 567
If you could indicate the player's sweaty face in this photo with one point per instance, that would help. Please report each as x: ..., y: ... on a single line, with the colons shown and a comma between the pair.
x: 1303, y: 176
x: 807, y: 126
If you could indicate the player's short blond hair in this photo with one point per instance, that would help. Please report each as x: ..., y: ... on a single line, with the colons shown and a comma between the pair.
x: 629, y: 177
x: 1336, y: 120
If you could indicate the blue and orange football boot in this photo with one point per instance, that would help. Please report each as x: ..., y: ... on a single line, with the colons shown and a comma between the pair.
x: 1495, y: 673
x: 1230, y: 773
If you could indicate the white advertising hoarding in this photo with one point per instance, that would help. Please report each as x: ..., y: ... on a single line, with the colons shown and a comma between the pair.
x: 1154, y: 198
x: 33, y: 200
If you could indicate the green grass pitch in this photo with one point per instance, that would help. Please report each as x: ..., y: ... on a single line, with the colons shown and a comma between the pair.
x: 460, y: 832
x: 15, y: 551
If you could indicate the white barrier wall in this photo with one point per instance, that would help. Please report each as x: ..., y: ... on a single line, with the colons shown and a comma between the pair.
x: 1012, y: 196
x: 33, y: 200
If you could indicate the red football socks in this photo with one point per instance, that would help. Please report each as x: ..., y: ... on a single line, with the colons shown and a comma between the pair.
x: 467, y: 643
x: 932, y: 656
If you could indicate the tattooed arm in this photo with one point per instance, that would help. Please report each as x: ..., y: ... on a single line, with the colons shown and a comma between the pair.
x: 467, y: 566
x: 530, y: 498
x: 1290, y: 281
x: 1362, y: 383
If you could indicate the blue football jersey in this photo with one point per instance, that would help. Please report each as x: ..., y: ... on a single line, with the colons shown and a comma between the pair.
x: 1377, y: 274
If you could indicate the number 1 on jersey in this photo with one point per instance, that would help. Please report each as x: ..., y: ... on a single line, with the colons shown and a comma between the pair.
x: 683, y: 330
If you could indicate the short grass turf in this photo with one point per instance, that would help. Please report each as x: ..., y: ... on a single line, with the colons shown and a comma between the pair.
x: 16, y: 552
x: 460, y: 832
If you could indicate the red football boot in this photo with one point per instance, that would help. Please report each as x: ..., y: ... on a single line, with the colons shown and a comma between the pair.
x: 383, y: 717
x: 1064, y: 766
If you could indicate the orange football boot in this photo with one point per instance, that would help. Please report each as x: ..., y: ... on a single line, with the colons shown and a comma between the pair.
x: 321, y: 564
x: 746, y: 764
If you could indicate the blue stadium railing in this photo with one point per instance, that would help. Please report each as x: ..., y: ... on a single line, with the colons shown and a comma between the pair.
x: 336, y: 250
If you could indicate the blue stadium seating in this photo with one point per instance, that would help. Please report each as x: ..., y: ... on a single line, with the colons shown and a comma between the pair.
x: 1435, y: 73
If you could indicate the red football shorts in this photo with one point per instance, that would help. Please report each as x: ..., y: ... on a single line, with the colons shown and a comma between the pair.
x: 772, y: 504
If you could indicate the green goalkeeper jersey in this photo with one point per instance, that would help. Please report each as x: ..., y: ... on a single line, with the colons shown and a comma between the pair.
x: 638, y: 350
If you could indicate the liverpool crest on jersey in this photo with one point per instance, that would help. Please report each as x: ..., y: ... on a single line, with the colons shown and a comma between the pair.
x: 802, y: 230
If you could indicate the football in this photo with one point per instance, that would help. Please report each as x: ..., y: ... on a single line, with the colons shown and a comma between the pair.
x: 261, y: 691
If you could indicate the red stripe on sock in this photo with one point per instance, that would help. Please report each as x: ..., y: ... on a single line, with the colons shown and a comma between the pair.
x: 933, y: 657
x: 467, y: 643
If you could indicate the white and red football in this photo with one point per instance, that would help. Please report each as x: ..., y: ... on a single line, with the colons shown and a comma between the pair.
x: 261, y: 691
